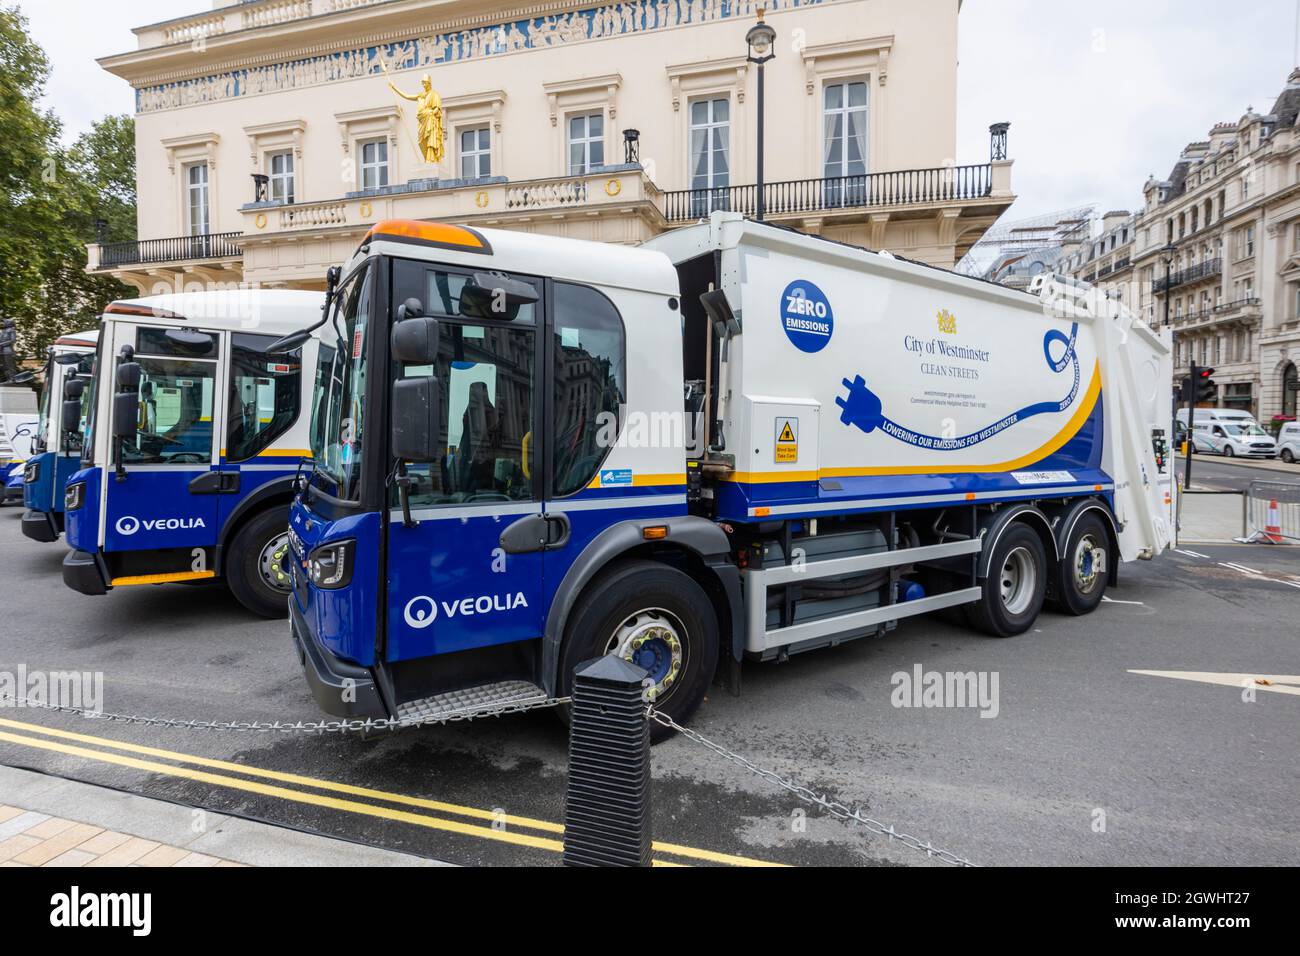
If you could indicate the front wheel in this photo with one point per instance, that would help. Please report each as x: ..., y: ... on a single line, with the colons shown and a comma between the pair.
x: 1287, y: 456
x: 1015, y: 586
x: 257, y: 564
x: 659, y: 619
x: 1228, y: 452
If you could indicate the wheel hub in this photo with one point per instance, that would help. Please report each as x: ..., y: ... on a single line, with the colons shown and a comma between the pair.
x: 273, y: 563
x: 651, y: 640
x: 1089, y: 560
x: 1018, y: 581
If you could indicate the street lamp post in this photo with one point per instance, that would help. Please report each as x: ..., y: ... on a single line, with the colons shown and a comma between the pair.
x: 1168, y: 254
x: 760, y: 39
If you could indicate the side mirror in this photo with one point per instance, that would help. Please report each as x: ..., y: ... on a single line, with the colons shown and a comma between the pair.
x: 187, y: 340
x: 415, y: 419
x: 126, y: 414
x: 73, y: 389
x: 72, y: 416
x: 415, y: 341
x: 128, y: 378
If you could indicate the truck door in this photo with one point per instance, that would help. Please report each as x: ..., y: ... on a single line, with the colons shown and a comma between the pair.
x: 160, y: 512
x: 468, y: 574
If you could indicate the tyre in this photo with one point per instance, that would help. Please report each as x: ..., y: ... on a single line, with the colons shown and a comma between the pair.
x: 1015, y: 586
x: 1228, y: 452
x: 656, y: 617
x: 255, y: 564
x: 1287, y: 456
x: 1081, y: 574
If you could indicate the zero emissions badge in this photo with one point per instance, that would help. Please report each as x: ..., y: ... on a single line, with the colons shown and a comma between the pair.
x: 806, y: 316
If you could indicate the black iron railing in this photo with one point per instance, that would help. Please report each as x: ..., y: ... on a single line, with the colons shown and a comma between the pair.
x: 907, y: 187
x: 1204, y: 270
x: 214, y: 245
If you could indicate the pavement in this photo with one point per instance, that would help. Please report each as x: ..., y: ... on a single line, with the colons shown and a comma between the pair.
x: 1213, y: 510
x: 1158, y: 731
x: 55, y: 822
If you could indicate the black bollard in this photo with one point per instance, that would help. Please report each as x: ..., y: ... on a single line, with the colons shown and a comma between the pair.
x: 607, y: 805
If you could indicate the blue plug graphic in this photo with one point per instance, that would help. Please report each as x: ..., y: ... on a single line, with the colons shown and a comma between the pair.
x: 861, y: 408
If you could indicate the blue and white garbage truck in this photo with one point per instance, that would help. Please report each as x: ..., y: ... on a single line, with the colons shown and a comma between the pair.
x: 737, y: 442
x: 56, y: 448
x: 196, y: 432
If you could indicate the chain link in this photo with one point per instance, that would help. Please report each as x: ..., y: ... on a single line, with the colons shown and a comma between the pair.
x: 808, y: 796
x: 368, y: 725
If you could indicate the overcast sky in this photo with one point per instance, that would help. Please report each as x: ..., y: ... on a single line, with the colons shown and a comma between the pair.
x: 1099, y: 95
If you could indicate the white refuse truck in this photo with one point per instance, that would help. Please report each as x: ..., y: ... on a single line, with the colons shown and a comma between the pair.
x: 864, y: 439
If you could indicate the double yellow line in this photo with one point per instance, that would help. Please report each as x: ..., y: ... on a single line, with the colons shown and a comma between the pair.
x: 437, y: 814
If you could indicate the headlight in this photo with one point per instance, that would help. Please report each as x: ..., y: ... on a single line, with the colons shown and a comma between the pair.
x: 330, y: 565
x: 32, y: 473
x: 74, y: 496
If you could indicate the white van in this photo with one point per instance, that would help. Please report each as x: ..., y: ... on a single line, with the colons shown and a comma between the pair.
x: 1288, y: 443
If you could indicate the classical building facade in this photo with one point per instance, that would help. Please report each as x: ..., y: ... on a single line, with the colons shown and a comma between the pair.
x: 270, y: 135
x: 1215, y: 252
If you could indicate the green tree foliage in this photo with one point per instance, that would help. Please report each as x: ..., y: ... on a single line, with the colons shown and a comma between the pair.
x: 50, y: 198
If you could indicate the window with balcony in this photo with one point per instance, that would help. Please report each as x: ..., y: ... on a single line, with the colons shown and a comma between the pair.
x: 197, y: 222
x: 586, y: 143
x: 279, y: 168
x: 476, y: 153
x: 844, y: 142
x: 710, y: 154
x: 373, y: 163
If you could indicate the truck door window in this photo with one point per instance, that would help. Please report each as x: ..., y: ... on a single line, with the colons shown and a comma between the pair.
x: 589, y: 384
x: 175, y: 412
x: 264, y: 395
x: 340, y: 412
x: 487, y: 378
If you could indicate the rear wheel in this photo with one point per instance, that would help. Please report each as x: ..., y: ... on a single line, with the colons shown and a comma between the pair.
x: 1081, y: 573
x: 656, y: 617
x: 257, y: 564
x: 1015, y: 586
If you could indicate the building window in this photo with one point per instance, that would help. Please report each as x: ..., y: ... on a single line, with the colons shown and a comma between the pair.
x: 710, y: 158
x: 196, y: 208
x: 475, y: 153
x: 279, y: 166
x: 1290, y: 390
x: 1250, y: 241
x: 844, y: 125
x: 586, y: 143
x: 374, y: 163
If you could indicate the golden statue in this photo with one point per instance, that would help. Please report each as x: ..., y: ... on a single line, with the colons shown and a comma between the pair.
x: 429, y: 115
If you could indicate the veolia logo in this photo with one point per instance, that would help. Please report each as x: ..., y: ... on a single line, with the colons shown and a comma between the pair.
x: 420, y: 612
x: 806, y: 316
x: 129, y: 525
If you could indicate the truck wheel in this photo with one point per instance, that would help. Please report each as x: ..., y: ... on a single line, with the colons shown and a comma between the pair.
x: 1081, y: 572
x: 1015, y: 586
x: 255, y: 564
x: 656, y: 617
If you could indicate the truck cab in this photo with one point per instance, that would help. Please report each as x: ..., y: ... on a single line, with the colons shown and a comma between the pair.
x: 195, y: 434
x: 56, y: 448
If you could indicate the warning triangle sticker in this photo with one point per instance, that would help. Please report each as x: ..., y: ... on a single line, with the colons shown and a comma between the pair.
x: 787, y: 433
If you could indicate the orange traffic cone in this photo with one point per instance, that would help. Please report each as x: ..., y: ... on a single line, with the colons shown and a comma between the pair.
x: 1273, y: 530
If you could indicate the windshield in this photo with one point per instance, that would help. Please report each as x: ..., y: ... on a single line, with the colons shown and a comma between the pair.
x: 1252, y: 430
x: 338, y: 401
x: 89, y: 402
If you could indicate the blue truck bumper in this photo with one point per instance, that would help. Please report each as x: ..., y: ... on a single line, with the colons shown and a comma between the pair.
x: 85, y: 572
x: 340, y: 689
x: 40, y: 526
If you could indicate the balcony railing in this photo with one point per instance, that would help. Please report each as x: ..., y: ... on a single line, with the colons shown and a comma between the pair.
x: 1217, y: 311
x: 215, y: 245
x: 1204, y: 270
x: 909, y: 187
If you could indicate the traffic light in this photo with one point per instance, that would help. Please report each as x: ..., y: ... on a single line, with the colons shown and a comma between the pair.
x: 1206, y: 388
x: 1184, y: 396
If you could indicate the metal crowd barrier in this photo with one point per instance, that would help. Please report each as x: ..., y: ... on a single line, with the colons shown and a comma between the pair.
x: 1271, y: 513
